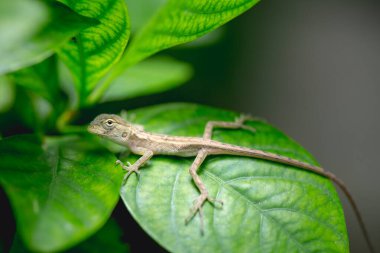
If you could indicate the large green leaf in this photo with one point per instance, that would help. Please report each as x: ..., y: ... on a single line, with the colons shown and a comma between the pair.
x: 61, y: 190
x: 49, y: 27
x: 268, y: 207
x: 147, y: 77
x: 93, y: 52
x: 180, y: 21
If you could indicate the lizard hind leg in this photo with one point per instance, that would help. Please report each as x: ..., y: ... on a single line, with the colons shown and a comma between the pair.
x: 204, y: 196
x: 238, y: 123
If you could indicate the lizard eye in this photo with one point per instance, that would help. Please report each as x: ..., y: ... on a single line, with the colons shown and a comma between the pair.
x: 109, y: 123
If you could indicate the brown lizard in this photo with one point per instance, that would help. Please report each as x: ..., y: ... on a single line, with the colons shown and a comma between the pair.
x: 148, y: 144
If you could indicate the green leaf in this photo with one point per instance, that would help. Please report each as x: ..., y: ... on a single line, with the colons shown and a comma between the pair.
x: 148, y: 77
x: 96, y: 49
x: 268, y: 206
x: 61, y: 191
x: 55, y: 25
x: 181, y: 21
x: 108, y: 237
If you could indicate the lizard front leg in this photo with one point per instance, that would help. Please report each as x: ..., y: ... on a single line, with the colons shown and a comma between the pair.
x: 197, y: 207
x: 130, y: 168
x: 239, y: 123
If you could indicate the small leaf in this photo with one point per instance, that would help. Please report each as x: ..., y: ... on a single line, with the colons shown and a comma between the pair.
x: 181, y: 21
x: 150, y: 76
x: 96, y: 49
x: 268, y: 206
x: 55, y: 27
x: 61, y: 191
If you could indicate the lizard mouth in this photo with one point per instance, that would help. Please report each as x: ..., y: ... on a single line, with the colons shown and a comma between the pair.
x: 94, y: 130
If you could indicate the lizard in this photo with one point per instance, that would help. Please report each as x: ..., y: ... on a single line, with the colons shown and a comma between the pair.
x: 146, y: 144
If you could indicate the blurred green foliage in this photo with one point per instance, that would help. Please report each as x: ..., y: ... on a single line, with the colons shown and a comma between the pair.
x: 60, y: 58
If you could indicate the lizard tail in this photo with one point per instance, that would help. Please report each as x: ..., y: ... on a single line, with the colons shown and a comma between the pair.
x: 358, y: 215
x: 241, y: 151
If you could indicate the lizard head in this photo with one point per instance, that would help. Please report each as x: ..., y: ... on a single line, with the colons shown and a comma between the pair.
x: 109, y: 126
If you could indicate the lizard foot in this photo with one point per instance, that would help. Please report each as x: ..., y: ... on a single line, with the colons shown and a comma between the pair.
x: 197, y: 208
x: 130, y: 168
